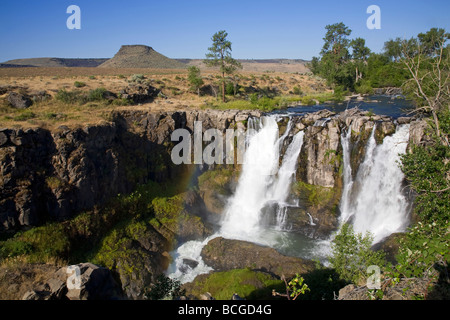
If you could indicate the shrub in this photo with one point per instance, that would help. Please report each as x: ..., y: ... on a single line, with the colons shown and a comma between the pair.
x: 70, y: 97
x: 24, y: 116
x: 165, y: 289
x: 352, y: 255
x: 96, y: 94
x: 79, y: 84
x: 138, y: 78
x: 297, y: 91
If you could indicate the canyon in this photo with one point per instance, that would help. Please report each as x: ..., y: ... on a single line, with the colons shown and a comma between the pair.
x: 54, y: 175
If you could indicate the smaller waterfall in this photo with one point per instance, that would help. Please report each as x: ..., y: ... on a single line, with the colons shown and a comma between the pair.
x: 347, y: 175
x: 374, y: 202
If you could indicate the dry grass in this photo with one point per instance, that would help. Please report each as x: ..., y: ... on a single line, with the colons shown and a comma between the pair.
x: 173, y: 83
x: 17, y: 277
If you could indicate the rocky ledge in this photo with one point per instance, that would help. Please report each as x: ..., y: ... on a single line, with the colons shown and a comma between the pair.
x: 224, y: 254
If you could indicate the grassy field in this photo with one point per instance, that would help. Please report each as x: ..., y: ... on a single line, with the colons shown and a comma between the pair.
x: 265, y: 91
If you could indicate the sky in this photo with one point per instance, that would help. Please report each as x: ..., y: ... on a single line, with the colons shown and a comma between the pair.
x: 262, y: 29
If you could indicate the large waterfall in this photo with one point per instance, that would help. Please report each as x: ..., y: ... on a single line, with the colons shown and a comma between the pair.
x: 374, y: 202
x: 262, y: 181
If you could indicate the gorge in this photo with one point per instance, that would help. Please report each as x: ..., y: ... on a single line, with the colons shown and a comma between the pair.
x: 305, y: 175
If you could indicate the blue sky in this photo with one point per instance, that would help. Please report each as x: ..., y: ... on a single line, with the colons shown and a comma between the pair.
x: 182, y: 29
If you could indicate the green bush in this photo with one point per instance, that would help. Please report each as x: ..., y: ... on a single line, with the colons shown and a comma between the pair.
x: 24, y: 116
x: 297, y: 91
x: 352, y: 255
x: 79, y: 84
x: 96, y: 94
x: 70, y: 97
x: 12, y: 248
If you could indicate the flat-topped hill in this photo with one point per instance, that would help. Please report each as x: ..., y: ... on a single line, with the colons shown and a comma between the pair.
x: 53, y: 62
x: 140, y: 56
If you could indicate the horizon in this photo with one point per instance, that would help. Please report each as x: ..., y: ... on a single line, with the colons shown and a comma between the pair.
x: 257, y: 29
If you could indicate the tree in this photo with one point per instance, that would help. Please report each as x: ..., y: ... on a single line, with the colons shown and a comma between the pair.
x: 335, y: 57
x: 336, y: 40
x: 195, y: 79
x: 393, y: 49
x: 360, y: 55
x: 431, y: 41
x: 428, y: 63
x: 219, y: 55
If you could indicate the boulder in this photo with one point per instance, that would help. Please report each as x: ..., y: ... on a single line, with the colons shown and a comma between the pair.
x: 224, y: 254
x: 19, y: 101
x: 95, y: 283
x: 139, y: 93
x: 84, y: 281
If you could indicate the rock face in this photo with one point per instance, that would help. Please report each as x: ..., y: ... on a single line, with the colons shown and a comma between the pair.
x: 84, y: 281
x: 56, y: 174
x: 224, y: 254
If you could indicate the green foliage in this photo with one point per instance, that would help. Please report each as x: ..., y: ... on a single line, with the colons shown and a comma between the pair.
x: 215, y: 179
x: 195, y: 78
x: 137, y: 78
x: 323, y: 282
x: 69, y: 97
x: 79, y: 84
x: 13, y: 248
x: 165, y: 288
x: 297, y: 287
x: 248, y: 284
x: 24, y: 115
x: 427, y: 169
x: 425, y: 251
x: 316, y: 195
x: 38, y: 245
x: 219, y: 55
x: 352, y: 255
x: 96, y: 94
x: 296, y: 90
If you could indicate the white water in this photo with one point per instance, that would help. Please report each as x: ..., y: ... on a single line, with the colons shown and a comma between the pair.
x: 262, y: 182
x: 261, y: 159
x: 374, y: 202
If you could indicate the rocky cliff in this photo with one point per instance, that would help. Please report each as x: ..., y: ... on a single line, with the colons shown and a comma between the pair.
x: 55, y: 175
x: 52, y: 175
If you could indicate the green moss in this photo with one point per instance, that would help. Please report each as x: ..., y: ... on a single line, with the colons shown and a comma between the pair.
x: 38, y: 245
x: 316, y: 195
x: 216, y: 180
x: 248, y: 284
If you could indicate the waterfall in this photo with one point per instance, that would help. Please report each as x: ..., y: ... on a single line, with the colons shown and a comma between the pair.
x: 262, y: 181
x: 261, y: 160
x: 374, y: 202
x: 347, y: 174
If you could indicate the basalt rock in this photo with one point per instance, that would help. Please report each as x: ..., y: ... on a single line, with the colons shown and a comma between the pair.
x: 84, y: 281
x: 224, y: 254
x: 19, y: 101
